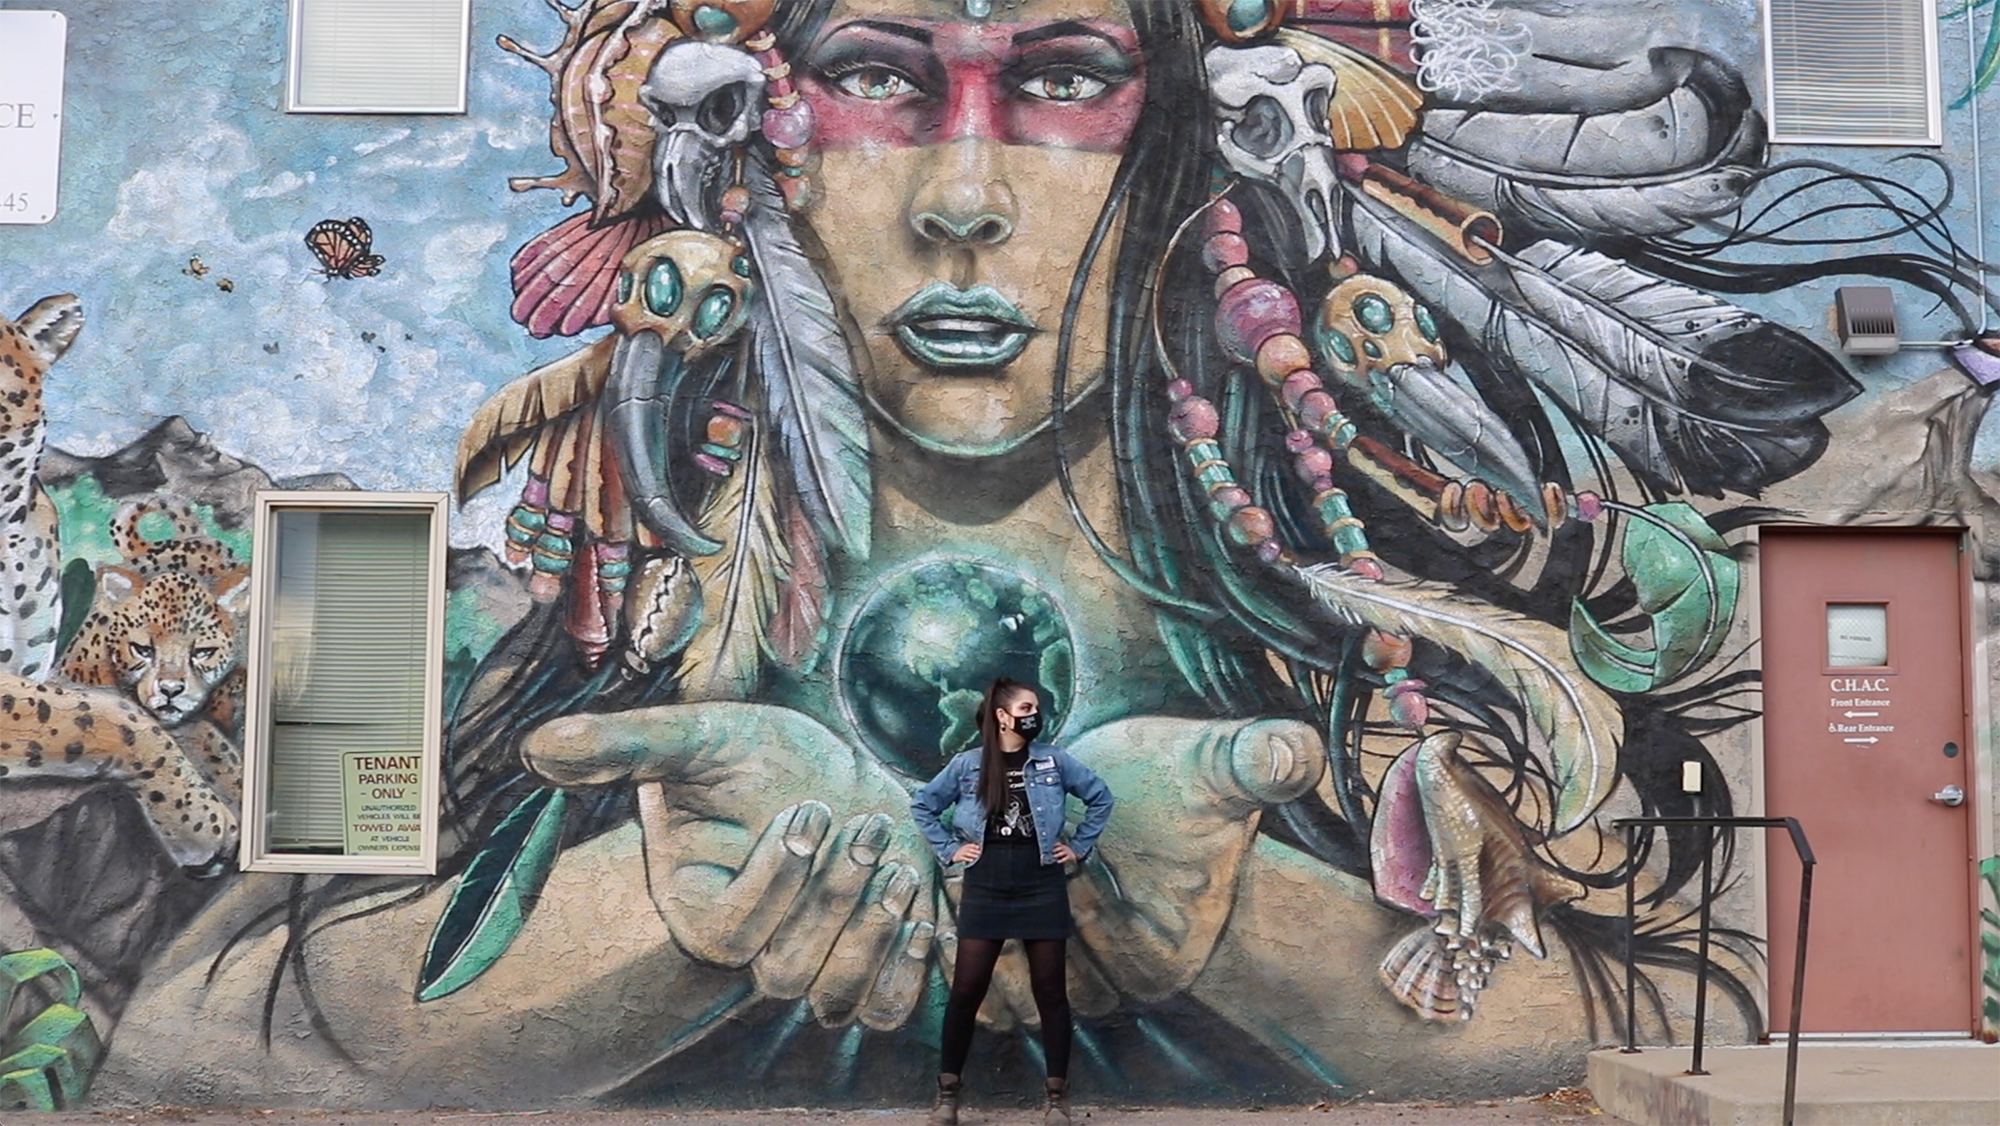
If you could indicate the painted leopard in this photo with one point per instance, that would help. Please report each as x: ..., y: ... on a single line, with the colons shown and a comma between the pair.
x: 84, y: 730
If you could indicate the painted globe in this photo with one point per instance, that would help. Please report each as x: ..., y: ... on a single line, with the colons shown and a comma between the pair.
x: 926, y: 643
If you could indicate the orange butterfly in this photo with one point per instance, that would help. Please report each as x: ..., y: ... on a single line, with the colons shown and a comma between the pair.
x: 341, y: 245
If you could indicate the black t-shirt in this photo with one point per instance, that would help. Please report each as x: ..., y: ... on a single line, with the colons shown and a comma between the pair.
x: 1014, y: 823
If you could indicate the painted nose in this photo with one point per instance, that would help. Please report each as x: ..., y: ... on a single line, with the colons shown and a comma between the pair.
x: 966, y: 201
x: 170, y: 688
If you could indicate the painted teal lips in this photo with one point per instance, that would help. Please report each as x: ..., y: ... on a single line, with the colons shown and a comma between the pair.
x: 967, y: 329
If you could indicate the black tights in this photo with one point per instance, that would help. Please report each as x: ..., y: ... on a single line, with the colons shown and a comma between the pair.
x: 969, y: 980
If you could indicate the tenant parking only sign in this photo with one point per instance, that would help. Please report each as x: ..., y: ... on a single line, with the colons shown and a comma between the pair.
x: 31, y: 89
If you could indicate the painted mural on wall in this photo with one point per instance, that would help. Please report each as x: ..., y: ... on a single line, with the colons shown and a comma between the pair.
x: 1341, y: 409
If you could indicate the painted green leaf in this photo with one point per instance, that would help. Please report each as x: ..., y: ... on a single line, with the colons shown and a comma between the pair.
x: 1687, y: 586
x: 494, y: 896
x: 79, y: 589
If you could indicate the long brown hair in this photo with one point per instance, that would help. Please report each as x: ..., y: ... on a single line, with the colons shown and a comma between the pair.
x: 993, y: 768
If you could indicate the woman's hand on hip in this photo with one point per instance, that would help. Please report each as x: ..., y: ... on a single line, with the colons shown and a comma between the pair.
x: 1064, y: 853
x: 966, y: 854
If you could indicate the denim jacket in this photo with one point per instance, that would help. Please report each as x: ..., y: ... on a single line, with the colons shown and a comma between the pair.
x: 1052, y: 775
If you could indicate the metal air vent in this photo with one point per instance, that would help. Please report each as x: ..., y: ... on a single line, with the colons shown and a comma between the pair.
x: 378, y: 56
x: 1852, y: 72
x: 1867, y: 318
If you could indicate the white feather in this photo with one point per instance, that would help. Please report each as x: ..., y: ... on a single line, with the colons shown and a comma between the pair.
x: 1574, y: 724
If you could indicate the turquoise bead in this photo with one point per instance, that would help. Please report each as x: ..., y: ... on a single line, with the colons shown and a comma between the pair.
x: 714, y: 22
x: 714, y: 312
x: 1246, y: 16
x: 1374, y: 313
x: 664, y: 288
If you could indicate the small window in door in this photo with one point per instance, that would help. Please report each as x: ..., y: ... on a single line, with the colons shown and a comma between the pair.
x: 1857, y: 635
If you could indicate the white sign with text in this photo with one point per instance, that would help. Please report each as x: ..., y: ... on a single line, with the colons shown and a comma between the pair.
x: 32, y: 45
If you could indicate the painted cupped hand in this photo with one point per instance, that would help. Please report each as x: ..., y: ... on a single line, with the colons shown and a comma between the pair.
x: 747, y: 860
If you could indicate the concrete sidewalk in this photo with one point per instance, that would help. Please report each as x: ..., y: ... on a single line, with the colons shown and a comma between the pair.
x: 1568, y: 1106
x: 1951, y: 1083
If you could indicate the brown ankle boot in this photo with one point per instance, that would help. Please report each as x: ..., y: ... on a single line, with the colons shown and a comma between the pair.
x: 944, y: 1112
x: 1058, y: 1112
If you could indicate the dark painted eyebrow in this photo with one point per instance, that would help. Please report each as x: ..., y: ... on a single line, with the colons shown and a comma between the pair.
x: 1063, y: 30
x: 890, y: 27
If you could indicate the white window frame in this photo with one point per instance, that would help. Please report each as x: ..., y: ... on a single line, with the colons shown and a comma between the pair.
x: 254, y: 853
x: 1934, y: 94
x: 295, y: 22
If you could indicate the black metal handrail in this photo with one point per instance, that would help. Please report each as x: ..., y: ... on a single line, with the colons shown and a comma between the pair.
x: 1632, y: 825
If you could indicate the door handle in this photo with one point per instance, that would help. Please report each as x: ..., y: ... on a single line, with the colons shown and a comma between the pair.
x: 1950, y: 795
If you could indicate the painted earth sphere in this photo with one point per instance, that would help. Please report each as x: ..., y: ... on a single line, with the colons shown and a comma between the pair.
x: 926, y: 643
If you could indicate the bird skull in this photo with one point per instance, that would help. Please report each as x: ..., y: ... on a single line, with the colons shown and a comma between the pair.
x: 1273, y: 127
x: 706, y: 98
x: 690, y: 288
x: 1367, y: 325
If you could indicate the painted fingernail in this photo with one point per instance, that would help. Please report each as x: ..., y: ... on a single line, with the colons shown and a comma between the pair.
x: 902, y: 890
x: 919, y: 945
x: 871, y: 841
x: 810, y: 821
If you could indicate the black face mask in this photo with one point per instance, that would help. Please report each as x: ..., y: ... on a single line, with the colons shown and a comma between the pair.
x: 1028, y: 726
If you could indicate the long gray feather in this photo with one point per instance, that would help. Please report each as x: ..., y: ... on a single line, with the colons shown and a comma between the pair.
x: 802, y: 356
x: 1693, y: 392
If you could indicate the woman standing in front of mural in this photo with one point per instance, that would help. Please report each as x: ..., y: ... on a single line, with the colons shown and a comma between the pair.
x: 1007, y: 821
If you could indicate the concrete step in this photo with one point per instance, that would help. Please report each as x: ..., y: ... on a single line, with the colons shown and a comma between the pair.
x: 1934, y: 1083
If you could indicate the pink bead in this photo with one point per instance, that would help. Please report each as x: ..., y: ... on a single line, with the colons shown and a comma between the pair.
x: 1367, y: 568
x: 1193, y: 418
x: 1314, y: 464
x: 1589, y: 506
x: 790, y: 128
x: 1408, y: 705
x: 1270, y: 551
x: 1231, y: 278
x: 1224, y: 251
x: 1179, y: 389
x: 1252, y: 313
x: 1299, y: 441
x: 1223, y: 217
x: 1297, y: 386
x: 1321, y: 485
x: 1230, y: 497
x: 1315, y: 408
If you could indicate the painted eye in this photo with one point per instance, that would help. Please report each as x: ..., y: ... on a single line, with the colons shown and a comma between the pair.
x: 1374, y: 313
x: 714, y: 311
x: 1427, y: 324
x: 141, y: 652
x: 1063, y: 84
x: 204, y: 653
x: 875, y: 83
x: 1334, y: 341
x: 664, y: 288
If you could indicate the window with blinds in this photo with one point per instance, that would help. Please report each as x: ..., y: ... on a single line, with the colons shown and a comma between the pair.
x: 342, y: 731
x: 1852, y: 72
x: 378, y: 56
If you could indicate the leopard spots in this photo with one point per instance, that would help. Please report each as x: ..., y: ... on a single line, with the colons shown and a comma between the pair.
x: 29, y: 549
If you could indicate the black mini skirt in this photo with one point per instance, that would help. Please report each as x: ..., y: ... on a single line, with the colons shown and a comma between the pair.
x: 1009, y: 893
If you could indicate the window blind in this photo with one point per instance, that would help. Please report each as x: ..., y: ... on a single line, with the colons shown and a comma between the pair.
x: 379, y: 55
x: 349, y: 616
x: 1854, y: 70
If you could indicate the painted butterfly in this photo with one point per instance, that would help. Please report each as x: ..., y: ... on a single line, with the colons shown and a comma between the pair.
x: 341, y: 245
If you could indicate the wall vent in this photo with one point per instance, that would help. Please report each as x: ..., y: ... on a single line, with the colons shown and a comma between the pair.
x: 1867, y: 319
x: 378, y: 56
x: 1852, y: 72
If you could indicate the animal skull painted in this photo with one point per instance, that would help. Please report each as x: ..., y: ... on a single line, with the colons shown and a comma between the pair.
x: 690, y: 288
x: 706, y: 98
x: 1382, y: 342
x: 1272, y: 109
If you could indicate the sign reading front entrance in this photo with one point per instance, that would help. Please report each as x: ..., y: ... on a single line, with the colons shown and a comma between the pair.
x: 1864, y: 712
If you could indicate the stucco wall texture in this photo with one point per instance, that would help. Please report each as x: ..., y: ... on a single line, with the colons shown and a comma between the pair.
x: 1356, y: 417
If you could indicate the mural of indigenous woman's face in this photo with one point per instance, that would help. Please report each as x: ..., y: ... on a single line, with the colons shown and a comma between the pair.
x: 964, y: 163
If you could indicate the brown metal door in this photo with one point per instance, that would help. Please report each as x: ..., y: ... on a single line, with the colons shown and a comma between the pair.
x: 1864, y: 721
